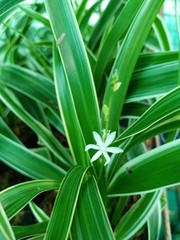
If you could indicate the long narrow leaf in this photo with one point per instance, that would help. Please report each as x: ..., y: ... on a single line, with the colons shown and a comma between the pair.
x: 75, y: 63
x: 163, y: 107
x: 6, y: 5
x: 125, y: 61
x: 154, y: 223
x: 27, y: 162
x: 162, y: 34
x: 106, y: 17
x: 6, y: 231
x: 34, y: 15
x: 91, y: 221
x: 136, y: 177
x: 31, y: 84
x: 65, y: 205
x: 38, y: 213
x: 45, y: 135
x: 68, y: 113
x: 136, y: 217
x: 118, y: 29
x: 7, y: 132
x: 13, y: 199
x: 37, y: 229
x: 153, y: 81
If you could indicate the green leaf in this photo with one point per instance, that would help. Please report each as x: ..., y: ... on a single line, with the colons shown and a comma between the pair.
x: 35, y: 109
x: 152, y: 59
x: 83, y: 24
x: 163, y: 116
x: 76, y: 66
x: 29, y: 83
x: 91, y: 220
x: 159, y: 111
x: 55, y: 120
x: 154, y: 223
x: 6, y: 5
x: 104, y: 20
x: 126, y: 60
x: 65, y: 204
x: 8, y: 14
x: 36, y: 229
x: 119, y: 28
x: 162, y: 34
x: 45, y: 135
x: 40, y: 237
x: 7, y: 132
x: 136, y: 217
x: 68, y: 113
x: 35, y: 15
x: 153, y: 81
x: 6, y: 232
x: 135, y: 176
x: 27, y: 162
x: 80, y: 11
x: 134, y: 110
x: 38, y: 213
x: 167, y: 124
x: 15, y: 198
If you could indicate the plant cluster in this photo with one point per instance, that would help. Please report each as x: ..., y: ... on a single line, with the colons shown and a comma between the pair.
x: 102, y: 100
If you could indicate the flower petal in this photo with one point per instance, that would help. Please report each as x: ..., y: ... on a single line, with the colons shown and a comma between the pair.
x: 110, y: 139
x: 96, y: 156
x: 91, y: 146
x: 107, y: 157
x: 98, y: 138
x: 114, y: 150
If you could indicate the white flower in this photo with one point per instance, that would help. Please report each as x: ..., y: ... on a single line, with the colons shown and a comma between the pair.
x: 102, y: 146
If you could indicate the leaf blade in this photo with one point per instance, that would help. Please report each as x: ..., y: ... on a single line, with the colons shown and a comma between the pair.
x: 91, y: 215
x: 65, y: 204
x: 14, y: 198
x: 76, y: 66
x: 163, y: 161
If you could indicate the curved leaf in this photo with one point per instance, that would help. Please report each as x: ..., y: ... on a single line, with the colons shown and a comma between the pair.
x: 126, y: 60
x: 34, y: 15
x: 165, y: 106
x: 30, y: 83
x: 6, y: 231
x: 150, y: 171
x: 75, y: 64
x: 45, y: 135
x: 15, y: 198
x: 91, y: 220
x: 136, y: 217
x: 6, y: 5
x: 161, y: 34
x: 65, y: 204
x: 36, y: 229
x: 116, y: 32
x: 27, y: 162
x: 153, y: 81
x: 105, y: 18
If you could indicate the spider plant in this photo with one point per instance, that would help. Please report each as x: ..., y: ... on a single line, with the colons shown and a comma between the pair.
x: 106, y: 89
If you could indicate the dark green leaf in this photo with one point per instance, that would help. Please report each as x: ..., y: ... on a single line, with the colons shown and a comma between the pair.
x: 27, y: 162
x: 90, y: 220
x: 146, y: 172
x: 65, y: 205
x: 15, y: 198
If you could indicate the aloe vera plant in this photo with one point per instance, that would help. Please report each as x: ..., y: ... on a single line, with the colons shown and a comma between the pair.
x: 106, y: 88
